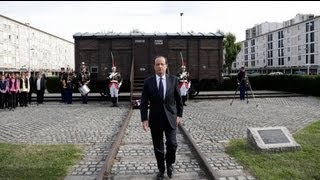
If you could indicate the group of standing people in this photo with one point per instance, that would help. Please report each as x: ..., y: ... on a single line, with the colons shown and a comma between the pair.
x: 69, y: 80
x: 16, y: 90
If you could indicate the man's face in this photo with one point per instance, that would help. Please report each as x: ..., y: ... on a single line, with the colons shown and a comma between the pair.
x: 160, y: 66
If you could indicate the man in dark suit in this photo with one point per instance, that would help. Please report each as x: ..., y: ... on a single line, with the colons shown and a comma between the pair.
x: 31, y: 81
x: 40, y: 86
x: 161, y: 92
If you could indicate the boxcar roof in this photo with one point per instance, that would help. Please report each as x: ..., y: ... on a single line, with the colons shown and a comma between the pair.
x: 100, y: 34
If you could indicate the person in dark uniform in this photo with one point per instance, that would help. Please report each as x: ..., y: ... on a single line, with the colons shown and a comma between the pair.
x: 161, y: 93
x: 40, y: 86
x: 84, y: 80
x: 31, y: 82
x: 184, y: 83
x: 69, y: 85
x: 3, y: 90
x: 62, y: 84
x: 242, y: 82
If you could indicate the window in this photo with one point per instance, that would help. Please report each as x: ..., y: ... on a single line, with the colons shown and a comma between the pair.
x: 280, y: 61
x: 270, y: 54
x: 253, y: 56
x: 281, y: 43
x: 312, y: 59
x: 299, y: 58
x: 94, y: 69
x: 252, y: 49
x: 312, y: 48
x: 306, y: 48
x: 269, y: 45
x: 307, y: 38
x: 312, y: 37
x: 269, y: 37
x: 307, y: 60
x: 252, y: 42
x: 288, y: 49
x: 280, y: 35
x: 311, y: 26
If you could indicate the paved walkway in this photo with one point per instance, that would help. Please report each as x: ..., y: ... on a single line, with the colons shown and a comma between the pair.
x: 211, y: 123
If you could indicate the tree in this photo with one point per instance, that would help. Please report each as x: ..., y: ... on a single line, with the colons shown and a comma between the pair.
x: 231, y: 49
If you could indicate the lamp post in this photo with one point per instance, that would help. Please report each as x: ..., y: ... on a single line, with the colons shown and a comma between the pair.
x: 30, y: 50
x: 181, y: 14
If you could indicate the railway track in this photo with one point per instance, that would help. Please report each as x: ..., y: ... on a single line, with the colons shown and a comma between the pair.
x: 132, y: 155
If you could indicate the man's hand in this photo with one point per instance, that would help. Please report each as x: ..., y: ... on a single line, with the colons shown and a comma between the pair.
x: 145, y: 125
x: 179, y: 119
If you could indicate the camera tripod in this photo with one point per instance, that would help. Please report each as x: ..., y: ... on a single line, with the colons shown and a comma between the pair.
x: 247, y: 86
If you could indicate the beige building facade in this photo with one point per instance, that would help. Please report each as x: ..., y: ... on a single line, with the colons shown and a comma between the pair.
x: 289, y: 47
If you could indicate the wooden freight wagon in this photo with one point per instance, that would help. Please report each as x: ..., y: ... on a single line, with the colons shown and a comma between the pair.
x: 134, y: 55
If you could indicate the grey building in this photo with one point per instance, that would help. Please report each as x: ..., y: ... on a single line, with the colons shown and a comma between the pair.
x: 287, y: 47
x: 23, y: 46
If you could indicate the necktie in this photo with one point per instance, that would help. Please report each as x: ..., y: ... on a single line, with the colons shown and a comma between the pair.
x: 161, y: 88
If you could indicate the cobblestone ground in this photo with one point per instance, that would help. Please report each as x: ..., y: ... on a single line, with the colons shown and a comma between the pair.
x: 93, y: 125
x: 136, y: 159
x: 212, y: 123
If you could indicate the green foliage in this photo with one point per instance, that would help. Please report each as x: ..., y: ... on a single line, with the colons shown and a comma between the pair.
x: 53, y: 85
x: 37, y: 161
x: 231, y: 49
x: 303, y: 164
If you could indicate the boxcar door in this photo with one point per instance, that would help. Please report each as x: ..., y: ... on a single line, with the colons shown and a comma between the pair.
x: 142, y: 67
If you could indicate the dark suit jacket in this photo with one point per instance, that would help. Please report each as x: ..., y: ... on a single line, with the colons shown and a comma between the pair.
x: 42, y: 84
x: 172, y: 104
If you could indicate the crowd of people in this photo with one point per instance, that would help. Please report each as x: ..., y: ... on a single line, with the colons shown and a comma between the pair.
x: 16, y: 89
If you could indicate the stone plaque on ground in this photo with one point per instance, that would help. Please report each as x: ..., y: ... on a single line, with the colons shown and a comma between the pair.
x: 272, y: 139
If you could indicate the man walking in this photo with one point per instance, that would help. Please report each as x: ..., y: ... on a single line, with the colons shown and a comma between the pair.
x: 161, y: 92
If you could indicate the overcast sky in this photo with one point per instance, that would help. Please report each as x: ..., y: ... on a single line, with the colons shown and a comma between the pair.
x: 65, y: 18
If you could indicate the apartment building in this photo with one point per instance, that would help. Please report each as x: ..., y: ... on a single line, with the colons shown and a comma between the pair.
x: 290, y: 46
x: 23, y: 46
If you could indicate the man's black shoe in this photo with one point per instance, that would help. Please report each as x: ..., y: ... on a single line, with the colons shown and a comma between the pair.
x: 160, y: 175
x: 169, y: 171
